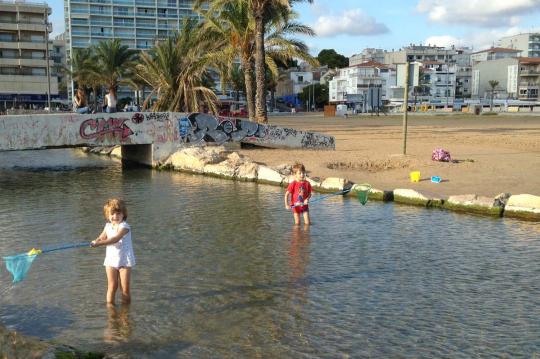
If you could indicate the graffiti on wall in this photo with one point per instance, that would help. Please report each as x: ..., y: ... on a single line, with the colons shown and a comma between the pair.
x: 200, y: 128
x: 100, y: 128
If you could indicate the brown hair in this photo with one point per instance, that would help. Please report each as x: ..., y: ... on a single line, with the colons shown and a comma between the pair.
x: 298, y: 167
x: 115, y: 205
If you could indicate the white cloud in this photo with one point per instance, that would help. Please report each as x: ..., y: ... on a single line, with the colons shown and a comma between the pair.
x: 486, y: 13
x: 478, y: 40
x: 350, y: 22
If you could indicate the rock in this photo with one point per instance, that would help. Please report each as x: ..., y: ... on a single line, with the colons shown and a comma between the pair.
x: 410, y: 196
x: 117, y: 152
x: 268, y: 175
x: 284, y: 169
x: 223, y: 169
x: 334, y: 184
x: 476, y: 204
x: 524, y: 206
x: 247, y: 171
x: 194, y: 159
x: 15, y: 345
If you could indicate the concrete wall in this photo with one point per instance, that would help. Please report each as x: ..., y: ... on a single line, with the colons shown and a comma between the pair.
x: 162, y: 133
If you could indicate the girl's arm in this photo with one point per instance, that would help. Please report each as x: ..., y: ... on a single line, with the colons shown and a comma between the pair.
x: 101, y: 237
x: 106, y: 241
x: 286, y: 198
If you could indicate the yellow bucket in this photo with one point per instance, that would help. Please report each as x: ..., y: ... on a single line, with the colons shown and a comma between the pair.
x: 415, y: 176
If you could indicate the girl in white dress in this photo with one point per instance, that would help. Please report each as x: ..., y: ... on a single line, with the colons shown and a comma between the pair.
x: 119, y: 256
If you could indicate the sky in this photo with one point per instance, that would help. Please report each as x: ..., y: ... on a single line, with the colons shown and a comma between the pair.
x: 348, y: 26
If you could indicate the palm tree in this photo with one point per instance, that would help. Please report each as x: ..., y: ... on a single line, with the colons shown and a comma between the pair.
x: 230, y: 23
x: 177, y: 72
x: 493, y: 84
x: 84, y: 70
x: 263, y: 11
x: 115, y: 61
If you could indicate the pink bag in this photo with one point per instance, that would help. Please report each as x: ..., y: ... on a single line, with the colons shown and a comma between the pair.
x: 441, y: 155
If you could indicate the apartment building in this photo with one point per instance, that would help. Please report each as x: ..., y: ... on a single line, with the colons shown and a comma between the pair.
x: 494, y: 53
x: 24, y: 53
x: 137, y: 23
x: 352, y: 84
x: 438, y: 82
x: 369, y: 54
x: 518, y: 78
x: 421, y: 53
x: 528, y: 44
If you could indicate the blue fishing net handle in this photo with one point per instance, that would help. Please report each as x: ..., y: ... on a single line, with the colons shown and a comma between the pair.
x: 345, y: 191
x: 64, y: 246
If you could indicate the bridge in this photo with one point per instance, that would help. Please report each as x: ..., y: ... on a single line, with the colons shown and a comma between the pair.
x: 147, y: 137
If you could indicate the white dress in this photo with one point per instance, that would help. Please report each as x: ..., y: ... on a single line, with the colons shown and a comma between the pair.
x: 119, y: 254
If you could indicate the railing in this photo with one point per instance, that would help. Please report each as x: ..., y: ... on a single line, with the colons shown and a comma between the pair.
x: 124, y: 24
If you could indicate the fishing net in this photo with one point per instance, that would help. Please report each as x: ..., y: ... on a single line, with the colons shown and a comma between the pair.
x: 18, y: 265
x: 362, y: 192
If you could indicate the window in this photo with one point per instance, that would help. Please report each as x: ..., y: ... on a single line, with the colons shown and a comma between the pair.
x: 300, y: 78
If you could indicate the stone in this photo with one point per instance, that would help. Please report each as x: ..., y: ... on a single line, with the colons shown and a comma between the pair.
x: 410, y: 196
x: 194, y: 159
x: 333, y: 184
x: 247, y: 171
x: 476, y: 204
x: 223, y: 169
x: 117, y: 152
x: 268, y: 175
x: 523, y: 206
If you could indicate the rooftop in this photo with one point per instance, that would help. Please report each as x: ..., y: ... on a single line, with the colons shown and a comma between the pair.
x: 497, y: 49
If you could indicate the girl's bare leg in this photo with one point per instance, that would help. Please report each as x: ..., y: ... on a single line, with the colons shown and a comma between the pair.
x: 112, y: 283
x: 307, y: 220
x: 125, y: 278
x: 296, y: 218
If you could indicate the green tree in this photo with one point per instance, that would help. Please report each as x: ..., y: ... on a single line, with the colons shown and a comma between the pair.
x: 114, y: 61
x: 231, y: 24
x: 321, y: 95
x: 493, y: 85
x: 331, y: 58
x: 177, y: 71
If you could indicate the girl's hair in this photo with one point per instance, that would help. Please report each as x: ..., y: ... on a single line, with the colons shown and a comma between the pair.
x: 298, y: 167
x: 115, y: 205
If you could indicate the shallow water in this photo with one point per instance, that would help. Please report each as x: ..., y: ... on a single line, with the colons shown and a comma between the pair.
x: 221, y: 272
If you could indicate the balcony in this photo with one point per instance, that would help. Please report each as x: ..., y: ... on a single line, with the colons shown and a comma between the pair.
x: 529, y: 73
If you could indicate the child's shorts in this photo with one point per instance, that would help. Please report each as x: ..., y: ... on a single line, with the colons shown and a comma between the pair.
x: 300, y: 209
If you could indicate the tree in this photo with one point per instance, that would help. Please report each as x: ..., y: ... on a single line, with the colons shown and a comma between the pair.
x: 115, y: 62
x: 492, y: 84
x: 321, y: 95
x: 231, y: 24
x: 177, y: 71
x: 331, y: 58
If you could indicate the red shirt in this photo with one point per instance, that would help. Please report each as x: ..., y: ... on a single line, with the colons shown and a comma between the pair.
x: 299, y: 190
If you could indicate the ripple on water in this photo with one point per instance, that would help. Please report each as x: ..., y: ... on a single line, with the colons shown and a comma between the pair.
x: 222, y: 272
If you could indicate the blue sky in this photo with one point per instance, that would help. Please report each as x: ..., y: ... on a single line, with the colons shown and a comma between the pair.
x: 348, y: 26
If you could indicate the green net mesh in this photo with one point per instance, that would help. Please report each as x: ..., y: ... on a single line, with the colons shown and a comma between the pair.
x: 362, y: 192
x: 18, y: 265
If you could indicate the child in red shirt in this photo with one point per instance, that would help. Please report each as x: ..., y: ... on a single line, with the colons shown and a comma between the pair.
x: 298, y: 194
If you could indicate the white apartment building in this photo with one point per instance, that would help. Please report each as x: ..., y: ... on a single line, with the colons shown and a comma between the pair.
x: 137, y: 23
x: 369, y: 54
x: 518, y: 78
x: 352, y: 83
x: 24, y: 49
x: 420, y: 53
x: 493, y: 53
x: 440, y: 79
x: 528, y: 44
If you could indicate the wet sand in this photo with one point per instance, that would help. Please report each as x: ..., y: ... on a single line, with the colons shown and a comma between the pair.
x: 492, y: 154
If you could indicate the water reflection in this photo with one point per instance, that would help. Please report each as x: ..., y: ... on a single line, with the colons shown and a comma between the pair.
x: 119, y: 326
x: 223, y: 273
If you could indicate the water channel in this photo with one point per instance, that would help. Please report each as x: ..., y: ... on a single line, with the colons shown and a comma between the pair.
x: 222, y: 272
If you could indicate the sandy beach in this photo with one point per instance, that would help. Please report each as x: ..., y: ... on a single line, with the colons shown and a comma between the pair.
x: 491, y: 154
